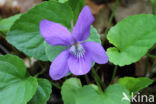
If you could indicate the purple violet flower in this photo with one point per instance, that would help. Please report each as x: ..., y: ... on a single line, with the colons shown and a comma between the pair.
x: 80, y: 54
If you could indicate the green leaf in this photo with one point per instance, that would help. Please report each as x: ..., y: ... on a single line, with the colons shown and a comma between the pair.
x: 5, y: 24
x: 25, y: 35
x: 135, y: 84
x: 16, y: 86
x: 0, y: 18
x: 69, y: 89
x: 112, y: 95
x: 132, y: 38
x: 73, y: 93
x: 94, y: 35
x: 76, y: 6
x: 53, y: 51
x: 62, y: 1
x: 87, y: 95
x: 43, y: 92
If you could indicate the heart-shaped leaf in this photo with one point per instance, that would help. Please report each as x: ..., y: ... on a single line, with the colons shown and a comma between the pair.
x: 76, y: 6
x: 16, y: 85
x: 43, y: 92
x: 74, y: 93
x: 5, y: 24
x: 132, y: 38
x: 62, y: 1
x: 69, y: 89
x: 25, y: 35
x: 135, y: 84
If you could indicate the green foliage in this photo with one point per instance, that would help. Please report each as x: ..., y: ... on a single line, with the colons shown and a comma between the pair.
x: 16, y: 86
x: 62, y: 1
x: 74, y: 93
x: 135, y: 84
x: 25, y: 35
x: 43, y: 92
x: 94, y: 35
x: 69, y: 90
x: 53, y: 51
x: 5, y: 24
x: 132, y: 38
x: 0, y: 18
x: 76, y: 6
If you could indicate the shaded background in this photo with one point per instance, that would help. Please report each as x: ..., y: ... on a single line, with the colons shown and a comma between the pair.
x: 103, y: 11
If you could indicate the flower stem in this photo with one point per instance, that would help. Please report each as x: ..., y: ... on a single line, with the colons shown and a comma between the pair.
x: 146, y: 67
x: 87, y: 79
x: 4, y: 49
x: 40, y: 73
x: 56, y: 85
x: 114, y: 73
x: 96, y: 78
x: 151, y: 56
x: 72, y: 24
x: 29, y: 61
x: 153, y: 6
x: 2, y: 34
x: 110, y: 20
x: 154, y: 63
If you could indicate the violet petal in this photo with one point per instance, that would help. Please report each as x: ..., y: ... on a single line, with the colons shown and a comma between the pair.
x: 55, y: 33
x: 59, y: 67
x: 81, y: 30
x: 96, y: 52
x: 79, y: 66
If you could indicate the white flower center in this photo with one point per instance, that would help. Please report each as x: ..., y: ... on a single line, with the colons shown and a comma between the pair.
x: 77, y: 50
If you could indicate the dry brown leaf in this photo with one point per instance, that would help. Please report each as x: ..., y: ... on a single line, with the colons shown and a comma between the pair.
x: 94, y: 7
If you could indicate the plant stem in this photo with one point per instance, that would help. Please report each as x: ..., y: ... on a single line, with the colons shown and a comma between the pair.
x: 72, y: 25
x: 87, y: 79
x: 146, y: 67
x: 4, y: 49
x: 111, y: 19
x: 103, y: 83
x: 153, y: 6
x: 42, y: 71
x: 151, y: 56
x: 56, y: 85
x: 154, y: 63
x: 96, y: 78
x: 2, y: 34
x: 114, y: 73
x: 29, y: 60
